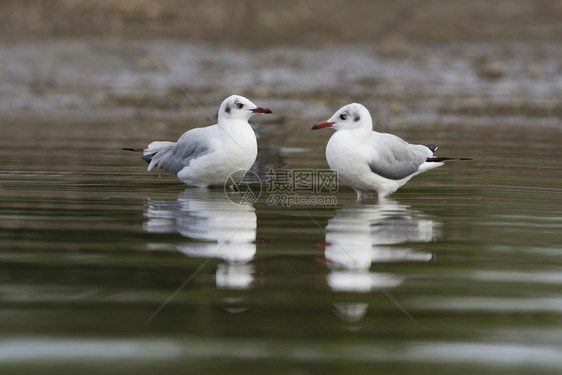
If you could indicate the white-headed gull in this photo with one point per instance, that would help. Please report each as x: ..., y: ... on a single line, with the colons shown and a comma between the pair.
x: 370, y: 161
x: 204, y: 157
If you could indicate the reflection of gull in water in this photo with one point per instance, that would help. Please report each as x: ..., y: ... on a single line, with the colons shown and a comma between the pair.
x: 219, y: 228
x: 351, y: 312
x: 359, y: 235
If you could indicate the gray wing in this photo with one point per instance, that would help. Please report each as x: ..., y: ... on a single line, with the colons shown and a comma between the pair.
x: 394, y: 158
x: 174, y: 156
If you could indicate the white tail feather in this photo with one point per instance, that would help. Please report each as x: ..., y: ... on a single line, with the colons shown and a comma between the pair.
x: 157, y: 146
x: 154, y: 148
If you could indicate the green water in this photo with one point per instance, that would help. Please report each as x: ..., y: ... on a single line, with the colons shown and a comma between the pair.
x: 107, y: 269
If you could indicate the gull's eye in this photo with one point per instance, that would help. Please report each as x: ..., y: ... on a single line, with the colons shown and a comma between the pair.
x: 239, y: 105
x: 343, y: 116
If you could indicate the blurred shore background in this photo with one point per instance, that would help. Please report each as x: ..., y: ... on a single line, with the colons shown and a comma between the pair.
x: 411, y: 61
x: 264, y: 23
x: 157, y: 68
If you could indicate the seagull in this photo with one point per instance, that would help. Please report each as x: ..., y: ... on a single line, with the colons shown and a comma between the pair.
x: 208, y: 156
x: 370, y: 161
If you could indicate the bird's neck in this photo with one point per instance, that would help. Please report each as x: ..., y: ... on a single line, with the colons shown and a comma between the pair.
x: 236, y: 129
x: 233, y: 124
x: 360, y: 134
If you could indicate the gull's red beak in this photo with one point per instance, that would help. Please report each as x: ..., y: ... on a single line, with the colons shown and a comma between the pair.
x: 261, y: 110
x: 323, y: 124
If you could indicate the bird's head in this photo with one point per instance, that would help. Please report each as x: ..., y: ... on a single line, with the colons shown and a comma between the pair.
x: 350, y: 116
x: 237, y: 107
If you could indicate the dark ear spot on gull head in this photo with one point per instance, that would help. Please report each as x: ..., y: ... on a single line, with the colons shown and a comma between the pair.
x: 356, y: 118
x: 227, y: 109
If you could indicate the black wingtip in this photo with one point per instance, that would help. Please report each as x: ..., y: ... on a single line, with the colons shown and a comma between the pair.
x: 433, y: 147
x: 437, y: 160
x: 132, y: 149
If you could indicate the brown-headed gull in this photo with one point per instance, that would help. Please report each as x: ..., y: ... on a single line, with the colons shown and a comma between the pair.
x: 205, y: 157
x: 370, y: 161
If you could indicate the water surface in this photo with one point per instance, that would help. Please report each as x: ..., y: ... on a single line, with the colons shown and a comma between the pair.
x: 105, y: 267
